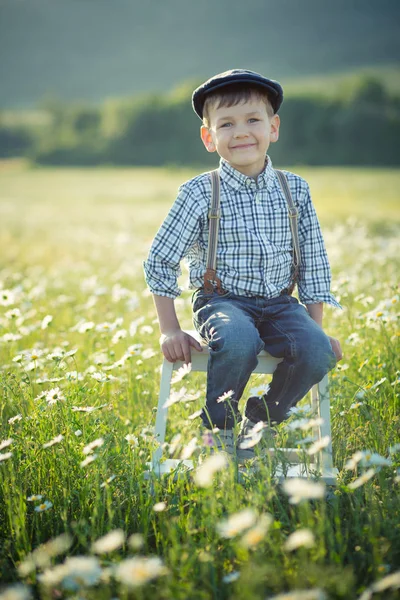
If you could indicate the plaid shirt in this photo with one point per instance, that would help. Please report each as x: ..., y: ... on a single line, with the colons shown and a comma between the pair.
x: 254, y: 255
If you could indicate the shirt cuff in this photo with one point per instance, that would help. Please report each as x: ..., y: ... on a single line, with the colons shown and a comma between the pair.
x: 326, y: 298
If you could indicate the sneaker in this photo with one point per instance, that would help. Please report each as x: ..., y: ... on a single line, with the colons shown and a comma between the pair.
x: 219, y: 440
x: 250, y: 435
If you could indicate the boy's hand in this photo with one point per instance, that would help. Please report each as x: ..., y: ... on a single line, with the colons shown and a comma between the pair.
x: 335, y: 344
x: 176, y: 346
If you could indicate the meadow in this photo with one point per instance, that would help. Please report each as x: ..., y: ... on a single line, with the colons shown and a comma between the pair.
x: 79, y: 376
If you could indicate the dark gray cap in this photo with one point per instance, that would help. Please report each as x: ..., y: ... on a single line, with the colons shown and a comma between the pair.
x: 235, y: 76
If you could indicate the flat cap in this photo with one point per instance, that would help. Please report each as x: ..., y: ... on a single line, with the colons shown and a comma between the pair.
x: 235, y: 76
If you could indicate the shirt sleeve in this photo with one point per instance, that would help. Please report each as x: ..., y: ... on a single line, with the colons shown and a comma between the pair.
x: 177, y: 234
x: 315, y: 274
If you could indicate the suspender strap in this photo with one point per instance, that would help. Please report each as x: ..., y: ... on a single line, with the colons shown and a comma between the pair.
x: 210, y: 277
x: 293, y: 221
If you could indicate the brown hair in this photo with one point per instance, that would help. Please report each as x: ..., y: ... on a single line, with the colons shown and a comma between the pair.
x: 233, y: 95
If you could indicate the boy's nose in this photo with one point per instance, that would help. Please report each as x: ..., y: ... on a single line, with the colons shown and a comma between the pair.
x: 240, y: 132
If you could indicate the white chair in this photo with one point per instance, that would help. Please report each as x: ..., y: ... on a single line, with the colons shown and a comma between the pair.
x: 320, y: 462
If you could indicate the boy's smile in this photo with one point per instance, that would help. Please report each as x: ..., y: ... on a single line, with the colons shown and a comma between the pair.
x: 241, y: 134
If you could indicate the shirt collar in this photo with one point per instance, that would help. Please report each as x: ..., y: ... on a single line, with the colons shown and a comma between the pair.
x: 237, y: 180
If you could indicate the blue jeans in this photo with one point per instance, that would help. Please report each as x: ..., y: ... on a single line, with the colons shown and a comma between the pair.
x: 236, y: 329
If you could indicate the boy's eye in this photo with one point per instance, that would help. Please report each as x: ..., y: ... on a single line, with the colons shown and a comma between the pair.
x: 226, y: 124
x: 253, y: 120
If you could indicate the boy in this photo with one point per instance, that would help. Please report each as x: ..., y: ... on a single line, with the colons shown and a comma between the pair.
x: 252, y: 308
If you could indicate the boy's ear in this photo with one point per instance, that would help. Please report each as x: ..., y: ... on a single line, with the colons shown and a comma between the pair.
x: 275, y: 123
x: 206, y: 138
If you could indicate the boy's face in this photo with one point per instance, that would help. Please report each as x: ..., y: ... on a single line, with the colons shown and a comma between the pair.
x: 241, y: 134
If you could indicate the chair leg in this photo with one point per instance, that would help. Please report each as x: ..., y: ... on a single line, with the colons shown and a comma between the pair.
x: 325, y: 429
x: 162, y: 412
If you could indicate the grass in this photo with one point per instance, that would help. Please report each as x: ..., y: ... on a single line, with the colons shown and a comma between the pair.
x: 75, y: 315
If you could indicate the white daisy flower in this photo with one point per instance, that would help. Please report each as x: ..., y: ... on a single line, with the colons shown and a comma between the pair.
x: 15, y: 419
x: 319, y: 445
x: 181, y: 373
x: 362, y: 479
x: 55, y: 440
x: 6, y: 443
x: 237, y: 523
x: 175, y: 397
x: 203, y: 476
x: 231, y: 577
x: 95, y: 444
x: 91, y: 458
x: 53, y: 396
x: 300, y: 538
x: 134, y: 572
x: 260, y: 391
x: 225, y: 396
x: 109, y: 542
x: 46, y: 505
x: 256, y: 534
x: 5, y: 456
x: 303, y: 489
x: 16, y: 592
x: 188, y: 450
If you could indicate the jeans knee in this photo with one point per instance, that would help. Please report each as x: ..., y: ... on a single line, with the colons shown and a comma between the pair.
x: 316, y: 359
x: 237, y: 347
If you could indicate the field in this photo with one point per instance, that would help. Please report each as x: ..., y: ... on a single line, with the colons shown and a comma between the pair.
x: 79, y: 381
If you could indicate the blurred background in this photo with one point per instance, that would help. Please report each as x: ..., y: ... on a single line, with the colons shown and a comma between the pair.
x: 94, y: 82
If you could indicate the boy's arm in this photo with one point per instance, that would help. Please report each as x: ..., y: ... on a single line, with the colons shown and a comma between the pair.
x: 316, y: 312
x: 175, y: 343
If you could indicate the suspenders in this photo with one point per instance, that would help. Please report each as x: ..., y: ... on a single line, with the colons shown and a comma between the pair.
x: 210, y: 276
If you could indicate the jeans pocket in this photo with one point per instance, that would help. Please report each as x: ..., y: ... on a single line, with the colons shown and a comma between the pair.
x: 200, y: 298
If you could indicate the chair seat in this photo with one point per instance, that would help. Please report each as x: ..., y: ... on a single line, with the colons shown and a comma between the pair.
x: 321, y: 461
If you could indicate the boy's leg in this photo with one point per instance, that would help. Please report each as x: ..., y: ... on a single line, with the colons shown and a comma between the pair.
x: 234, y: 343
x: 289, y: 332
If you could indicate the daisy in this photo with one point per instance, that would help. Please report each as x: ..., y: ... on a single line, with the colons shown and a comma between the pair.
x: 46, y: 505
x: 362, y: 479
x: 95, y: 444
x: 300, y: 538
x: 259, y: 391
x: 16, y: 592
x: 110, y: 542
x: 53, y: 396
x: 225, y: 396
x: 137, y: 571
x: 303, y: 489
x: 181, y: 373
x: 231, y: 577
x: 107, y: 481
x: 256, y: 534
x: 204, y: 474
x: 15, y: 419
x: 237, y: 523
x: 5, y: 456
x: 188, y: 450
x: 319, y: 445
x: 175, y: 397
x: 55, y: 440
x: 88, y: 460
x: 136, y: 541
x: 6, y: 443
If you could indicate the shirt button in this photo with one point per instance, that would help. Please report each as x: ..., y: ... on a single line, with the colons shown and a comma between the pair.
x: 258, y: 197
x: 248, y: 182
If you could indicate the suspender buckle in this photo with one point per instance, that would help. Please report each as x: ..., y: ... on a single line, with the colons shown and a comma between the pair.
x: 293, y: 212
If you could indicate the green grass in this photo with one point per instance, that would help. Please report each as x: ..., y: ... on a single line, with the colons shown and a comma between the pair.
x: 72, y: 243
